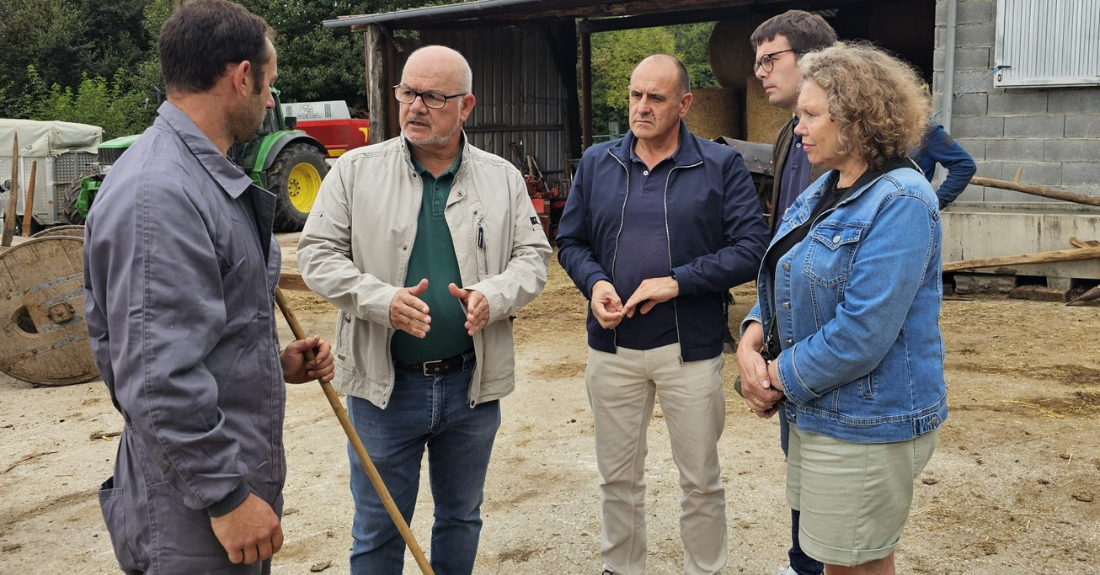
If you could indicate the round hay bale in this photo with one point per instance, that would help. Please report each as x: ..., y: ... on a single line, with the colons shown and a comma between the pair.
x: 731, y: 54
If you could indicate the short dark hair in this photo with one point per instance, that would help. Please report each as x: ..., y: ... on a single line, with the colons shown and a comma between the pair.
x: 202, y: 37
x: 806, y: 32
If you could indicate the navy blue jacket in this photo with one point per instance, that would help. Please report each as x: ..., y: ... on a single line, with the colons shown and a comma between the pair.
x: 714, y: 227
x: 938, y: 147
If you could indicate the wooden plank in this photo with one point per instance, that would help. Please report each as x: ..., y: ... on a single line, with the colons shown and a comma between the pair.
x: 586, y: 86
x: 1025, y: 259
x: 1037, y: 191
x: 1038, y: 293
x: 1084, y: 243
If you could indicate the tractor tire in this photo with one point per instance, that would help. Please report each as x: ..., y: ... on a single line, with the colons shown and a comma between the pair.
x: 72, y: 194
x: 295, y: 179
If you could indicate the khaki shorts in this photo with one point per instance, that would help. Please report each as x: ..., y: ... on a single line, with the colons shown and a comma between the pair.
x: 853, y: 498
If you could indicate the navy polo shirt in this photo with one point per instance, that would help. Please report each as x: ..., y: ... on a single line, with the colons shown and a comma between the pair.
x: 643, y: 254
x: 795, y: 176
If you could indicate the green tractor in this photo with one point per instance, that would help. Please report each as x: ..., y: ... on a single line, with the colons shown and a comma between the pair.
x: 286, y: 161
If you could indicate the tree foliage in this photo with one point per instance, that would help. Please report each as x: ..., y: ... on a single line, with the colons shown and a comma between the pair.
x: 95, y: 61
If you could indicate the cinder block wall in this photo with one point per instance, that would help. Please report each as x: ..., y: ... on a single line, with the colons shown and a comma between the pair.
x: 1052, y: 134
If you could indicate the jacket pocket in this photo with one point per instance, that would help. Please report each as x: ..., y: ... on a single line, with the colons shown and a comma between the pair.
x: 184, y: 542
x: 112, y: 504
x: 830, y: 253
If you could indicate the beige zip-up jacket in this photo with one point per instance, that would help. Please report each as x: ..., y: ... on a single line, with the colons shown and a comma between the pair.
x: 355, y: 248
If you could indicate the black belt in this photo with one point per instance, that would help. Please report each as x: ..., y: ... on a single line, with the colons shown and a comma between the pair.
x: 436, y: 366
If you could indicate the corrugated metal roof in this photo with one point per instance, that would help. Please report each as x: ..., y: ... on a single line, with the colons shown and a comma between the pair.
x: 515, y: 10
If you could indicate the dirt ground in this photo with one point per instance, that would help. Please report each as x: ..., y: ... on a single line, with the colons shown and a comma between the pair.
x: 1011, y: 489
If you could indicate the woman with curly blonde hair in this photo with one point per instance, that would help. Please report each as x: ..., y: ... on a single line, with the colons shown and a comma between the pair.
x: 845, y: 327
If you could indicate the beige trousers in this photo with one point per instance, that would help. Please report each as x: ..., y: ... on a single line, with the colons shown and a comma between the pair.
x: 621, y: 390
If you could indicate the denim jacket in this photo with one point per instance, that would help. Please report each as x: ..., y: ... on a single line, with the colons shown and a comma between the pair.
x: 857, y: 307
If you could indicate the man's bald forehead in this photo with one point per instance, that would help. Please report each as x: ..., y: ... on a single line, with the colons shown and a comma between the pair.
x: 683, y: 83
x: 447, y: 60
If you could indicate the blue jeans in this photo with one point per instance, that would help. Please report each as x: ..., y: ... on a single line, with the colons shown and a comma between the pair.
x: 432, y: 412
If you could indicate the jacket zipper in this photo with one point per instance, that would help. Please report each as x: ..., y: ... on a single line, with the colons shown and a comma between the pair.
x: 618, y: 234
x: 668, y: 244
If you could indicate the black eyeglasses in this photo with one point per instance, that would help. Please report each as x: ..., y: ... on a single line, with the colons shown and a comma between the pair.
x: 432, y: 99
x: 767, y: 61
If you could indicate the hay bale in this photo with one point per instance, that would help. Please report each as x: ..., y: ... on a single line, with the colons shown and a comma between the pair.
x: 763, y: 120
x: 715, y: 112
x: 731, y: 55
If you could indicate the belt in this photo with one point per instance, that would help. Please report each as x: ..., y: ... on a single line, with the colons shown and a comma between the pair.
x: 436, y: 366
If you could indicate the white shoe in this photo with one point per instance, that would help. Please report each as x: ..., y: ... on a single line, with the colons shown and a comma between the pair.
x: 786, y: 570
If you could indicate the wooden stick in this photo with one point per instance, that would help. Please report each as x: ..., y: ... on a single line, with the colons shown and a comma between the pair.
x: 356, y: 443
x: 1024, y: 259
x: 9, y: 215
x: 1038, y: 191
x: 291, y: 281
x: 28, y: 205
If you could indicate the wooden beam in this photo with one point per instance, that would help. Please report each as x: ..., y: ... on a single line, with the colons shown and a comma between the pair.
x: 1037, y: 191
x: 1024, y: 259
x: 586, y: 85
x: 378, y: 93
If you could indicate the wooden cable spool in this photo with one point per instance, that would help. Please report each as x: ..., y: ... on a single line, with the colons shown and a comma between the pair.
x: 43, y: 336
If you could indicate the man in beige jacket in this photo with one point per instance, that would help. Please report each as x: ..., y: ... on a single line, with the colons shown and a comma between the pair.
x: 428, y: 246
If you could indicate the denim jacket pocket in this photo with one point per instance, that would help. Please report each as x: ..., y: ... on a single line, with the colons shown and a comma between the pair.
x: 830, y: 252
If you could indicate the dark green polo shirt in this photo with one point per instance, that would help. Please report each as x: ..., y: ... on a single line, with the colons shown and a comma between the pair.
x: 433, y: 257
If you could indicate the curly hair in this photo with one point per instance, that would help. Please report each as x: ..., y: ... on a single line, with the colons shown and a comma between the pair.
x: 880, y: 103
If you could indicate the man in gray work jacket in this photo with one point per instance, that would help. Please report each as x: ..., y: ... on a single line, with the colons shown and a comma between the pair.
x: 180, y: 269
x: 428, y: 246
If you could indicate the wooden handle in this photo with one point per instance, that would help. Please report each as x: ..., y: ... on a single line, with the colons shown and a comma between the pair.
x: 356, y: 443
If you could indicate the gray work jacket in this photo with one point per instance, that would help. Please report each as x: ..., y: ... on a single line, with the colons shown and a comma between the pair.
x: 180, y: 268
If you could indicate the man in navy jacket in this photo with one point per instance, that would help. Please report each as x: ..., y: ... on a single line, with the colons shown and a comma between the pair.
x: 666, y: 222
x: 938, y: 147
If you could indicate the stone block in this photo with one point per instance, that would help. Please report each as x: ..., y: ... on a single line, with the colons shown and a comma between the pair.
x: 1083, y: 174
x: 987, y: 169
x: 1078, y: 150
x: 976, y: 34
x: 972, y: 104
x: 971, y: 81
x: 1040, y: 173
x: 1048, y: 126
x: 1082, y: 126
x: 978, y: 127
x: 974, y: 12
x: 1075, y: 100
x: 1023, y: 149
x: 973, y: 283
x: 1017, y: 103
x: 973, y: 58
x: 974, y: 147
